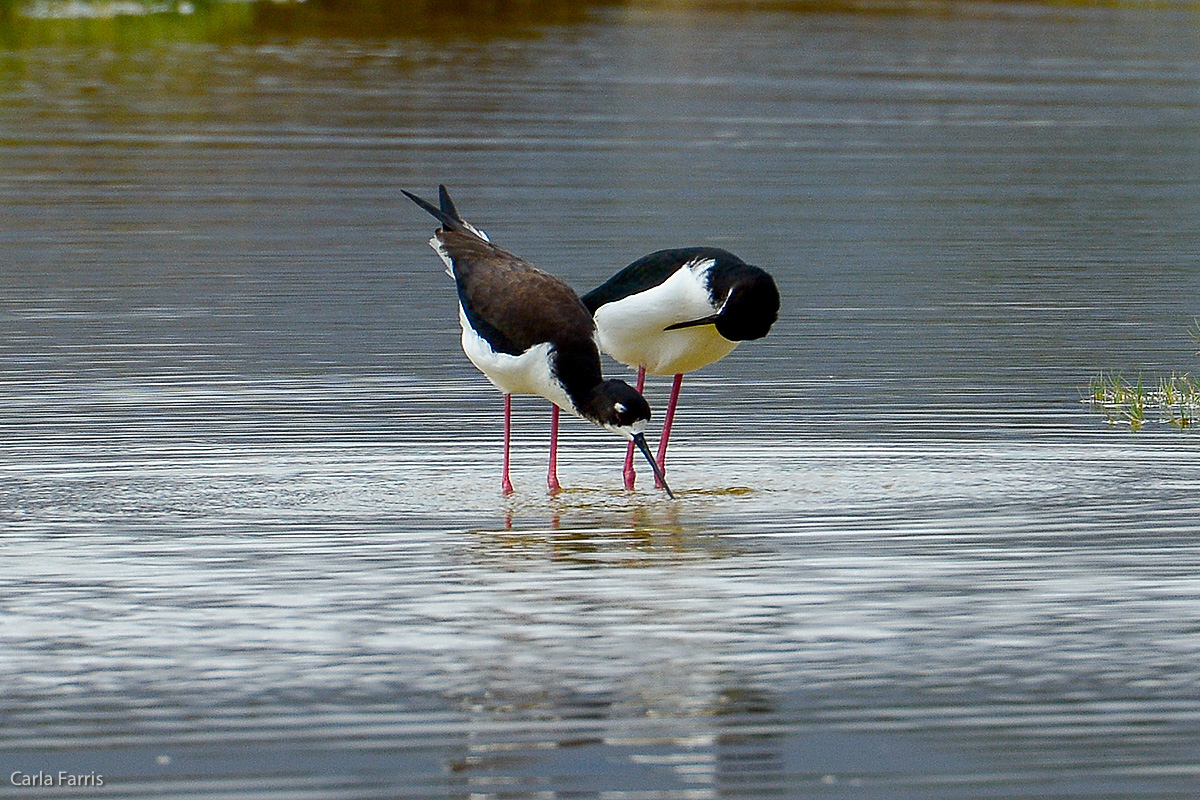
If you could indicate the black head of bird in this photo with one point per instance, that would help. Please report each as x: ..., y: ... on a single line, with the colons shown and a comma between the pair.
x: 620, y: 408
x: 750, y: 308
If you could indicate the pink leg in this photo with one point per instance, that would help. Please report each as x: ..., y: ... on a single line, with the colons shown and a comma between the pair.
x: 552, y: 474
x: 505, y: 484
x: 630, y: 475
x: 666, y: 431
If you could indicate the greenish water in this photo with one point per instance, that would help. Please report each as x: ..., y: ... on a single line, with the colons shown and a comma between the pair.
x: 253, y: 541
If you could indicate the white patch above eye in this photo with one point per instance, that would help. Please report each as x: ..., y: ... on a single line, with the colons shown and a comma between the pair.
x: 620, y: 408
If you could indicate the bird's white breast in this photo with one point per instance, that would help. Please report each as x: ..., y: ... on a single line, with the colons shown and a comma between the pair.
x: 631, y: 329
x: 528, y: 373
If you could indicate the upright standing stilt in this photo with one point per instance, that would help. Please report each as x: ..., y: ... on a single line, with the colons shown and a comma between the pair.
x: 506, y: 484
x: 666, y: 431
x: 630, y: 475
x: 552, y: 475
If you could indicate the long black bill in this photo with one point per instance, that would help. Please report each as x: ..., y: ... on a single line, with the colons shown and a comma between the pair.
x: 711, y: 320
x: 640, y: 440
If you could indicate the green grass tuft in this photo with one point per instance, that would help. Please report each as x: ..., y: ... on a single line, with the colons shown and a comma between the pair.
x: 1175, y: 400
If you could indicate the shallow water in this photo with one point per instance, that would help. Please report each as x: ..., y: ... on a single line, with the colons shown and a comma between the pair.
x: 252, y: 534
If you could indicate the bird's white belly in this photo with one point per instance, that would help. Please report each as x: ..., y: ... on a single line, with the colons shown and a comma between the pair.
x: 631, y: 330
x: 528, y: 373
x: 666, y: 352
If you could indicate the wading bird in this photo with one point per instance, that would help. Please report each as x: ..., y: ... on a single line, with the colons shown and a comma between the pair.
x: 675, y: 311
x: 529, y: 333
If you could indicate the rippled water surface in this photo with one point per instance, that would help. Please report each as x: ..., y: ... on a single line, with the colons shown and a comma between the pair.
x: 253, y: 543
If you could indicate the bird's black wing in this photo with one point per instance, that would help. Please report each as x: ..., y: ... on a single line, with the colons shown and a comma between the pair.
x: 648, y: 272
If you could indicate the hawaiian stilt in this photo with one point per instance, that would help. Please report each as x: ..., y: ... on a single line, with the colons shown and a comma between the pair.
x: 528, y: 332
x: 675, y: 311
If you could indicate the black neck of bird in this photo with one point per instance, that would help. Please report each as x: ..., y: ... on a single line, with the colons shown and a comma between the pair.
x: 577, y: 366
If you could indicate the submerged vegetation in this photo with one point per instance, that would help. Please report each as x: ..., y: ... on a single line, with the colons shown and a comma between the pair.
x: 1175, y: 400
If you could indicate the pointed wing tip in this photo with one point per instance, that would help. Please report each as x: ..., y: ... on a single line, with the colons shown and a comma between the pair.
x: 448, y: 217
x: 446, y: 203
x: 421, y: 201
x: 446, y: 214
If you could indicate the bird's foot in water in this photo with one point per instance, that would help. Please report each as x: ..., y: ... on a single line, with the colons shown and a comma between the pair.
x: 630, y: 479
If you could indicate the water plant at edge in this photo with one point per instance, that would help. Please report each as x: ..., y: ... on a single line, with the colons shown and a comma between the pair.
x: 1176, y: 399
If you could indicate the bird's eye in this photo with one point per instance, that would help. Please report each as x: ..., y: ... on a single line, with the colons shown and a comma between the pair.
x: 620, y: 408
